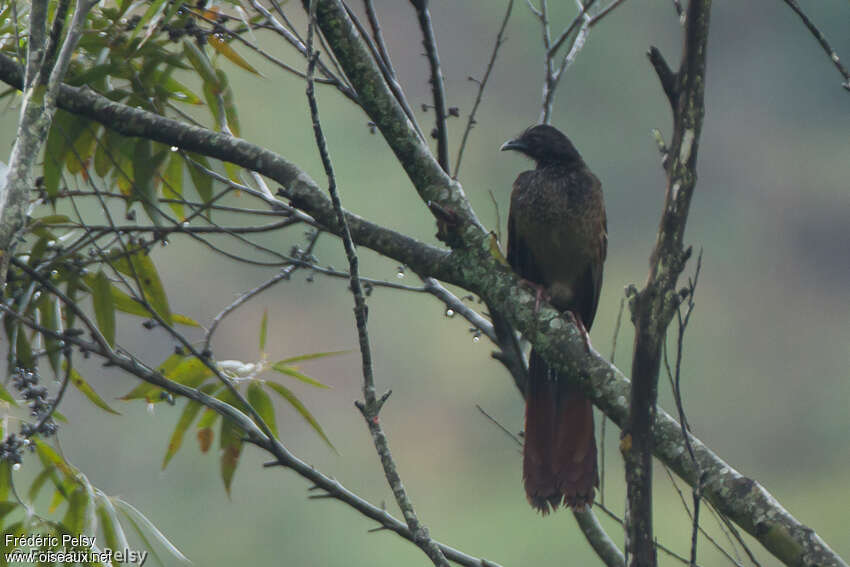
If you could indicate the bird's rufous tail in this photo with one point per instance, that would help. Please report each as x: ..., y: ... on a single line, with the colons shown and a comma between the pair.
x: 559, y: 460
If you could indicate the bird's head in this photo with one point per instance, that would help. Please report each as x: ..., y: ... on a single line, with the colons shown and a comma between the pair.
x: 544, y: 144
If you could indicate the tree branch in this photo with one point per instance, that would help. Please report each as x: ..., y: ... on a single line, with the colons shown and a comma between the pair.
x: 654, y: 306
x: 438, y: 90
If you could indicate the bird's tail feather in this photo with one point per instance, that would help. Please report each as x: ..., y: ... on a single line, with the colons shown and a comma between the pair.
x: 559, y: 460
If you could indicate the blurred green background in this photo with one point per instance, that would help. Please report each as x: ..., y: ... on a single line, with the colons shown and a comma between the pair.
x: 765, y: 376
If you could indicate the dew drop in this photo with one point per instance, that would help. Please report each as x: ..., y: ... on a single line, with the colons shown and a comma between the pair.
x: 150, y: 408
x: 450, y: 312
x: 400, y: 275
x: 476, y: 338
x: 174, y: 148
x: 16, y: 467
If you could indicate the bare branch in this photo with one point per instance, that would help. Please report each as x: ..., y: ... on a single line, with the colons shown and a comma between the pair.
x: 833, y: 56
x: 482, y: 84
x: 438, y: 90
x: 371, y: 405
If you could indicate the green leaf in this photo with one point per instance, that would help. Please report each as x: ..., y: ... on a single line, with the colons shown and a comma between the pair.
x: 203, y: 183
x: 312, y: 356
x: 64, y: 131
x: 148, y: 391
x: 5, y: 479
x: 199, y: 60
x: 111, y: 526
x: 6, y: 396
x: 230, y: 440
x: 139, y: 265
x: 50, y: 310
x: 190, y: 412
x: 264, y: 327
x: 230, y: 110
x: 38, y: 483
x: 172, y: 184
x: 262, y: 403
x: 75, y: 517
x: 290, y: 371
x: 80, y: 152
x: 104, y: 306
x: 7, y: 508
x: 23, y: 351
x: 299, y: 407
x: 84, y: 387
x: 135, y: 516
x: 145, y: 166
x: 224, y: 48
x: 149, y: 19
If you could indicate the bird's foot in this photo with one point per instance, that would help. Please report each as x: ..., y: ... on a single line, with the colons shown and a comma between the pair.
x: 540, y: 292
x: 576, y: 320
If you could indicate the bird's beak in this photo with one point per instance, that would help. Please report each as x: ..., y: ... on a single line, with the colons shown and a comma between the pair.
x: 512, y: 145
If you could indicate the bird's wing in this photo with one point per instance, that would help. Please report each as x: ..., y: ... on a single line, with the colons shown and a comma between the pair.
x: 590, y: 285
x: 519, y: 254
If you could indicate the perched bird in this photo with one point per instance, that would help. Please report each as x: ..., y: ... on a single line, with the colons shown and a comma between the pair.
x: 557, y: 241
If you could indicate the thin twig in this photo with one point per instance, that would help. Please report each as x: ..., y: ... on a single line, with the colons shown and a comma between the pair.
x: 438, y: 90
x: 371, y: 405
x: 470, y: 122
x: 833, y: 56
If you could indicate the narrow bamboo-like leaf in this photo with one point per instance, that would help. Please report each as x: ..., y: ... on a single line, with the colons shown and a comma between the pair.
x: 312, y: 356
x: 190, y: 412
x: 172, y: 186
x: 104, y: 306
x: 132, y: 513
x: 80, y: 152
x: 203, y: 183
x: 299, y: 407
x: 190, y: 372
x: 49, y: 309
x: 85, y: 389
x: 230, y: 441
x: 205, y: 438
x: 71, y: 291
x: 147, y: 18
x: 230, y: 110
x: 49, y: 456
x: 6, y: 508
x: 184, y: 320
x: 264, y: 327
x: 109, y: 516
x: 139, y: 265
x: 199, y: 60
x: 107, y: 526
x: 211, y: 93
x: 63, y: 132
x: 126, y: 304
x: 5, y: 479
x: 260, y: 401
x: 145, y: 166
x: 227, y: 50
x: 6, y: 396
x: 75, y: 517
x: 142, y: 536
x: 290, y: 371
x: 179, y: 91
x: 38, y: 483
x: 23, y: 350
x: 148, y: 391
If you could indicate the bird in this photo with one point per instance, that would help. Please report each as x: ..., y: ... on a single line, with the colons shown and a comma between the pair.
x: 557, y: 243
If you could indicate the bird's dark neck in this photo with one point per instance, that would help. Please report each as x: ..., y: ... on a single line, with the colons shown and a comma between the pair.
x: 559, y: 163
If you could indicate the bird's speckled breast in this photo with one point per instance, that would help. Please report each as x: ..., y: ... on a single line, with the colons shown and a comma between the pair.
x: 557, y: 211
